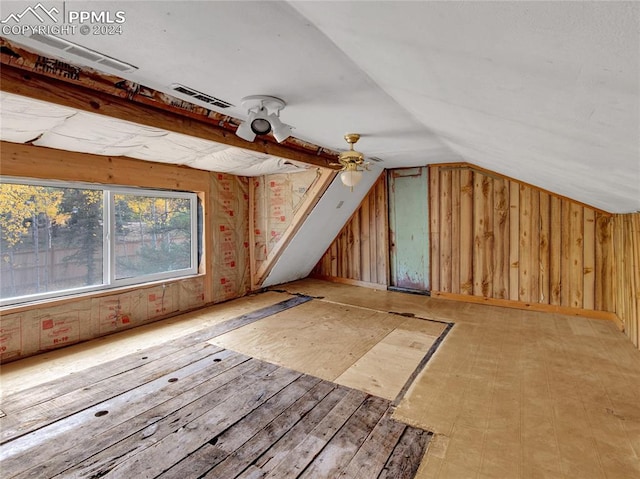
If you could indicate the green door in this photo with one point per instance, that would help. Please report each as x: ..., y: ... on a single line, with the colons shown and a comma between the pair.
x: 409, y: 229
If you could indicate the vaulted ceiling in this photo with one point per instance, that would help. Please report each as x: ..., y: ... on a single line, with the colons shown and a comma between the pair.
x: 545, y: 92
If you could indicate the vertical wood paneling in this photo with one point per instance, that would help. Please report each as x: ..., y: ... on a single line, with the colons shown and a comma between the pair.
x: 589, y: 259
x: 455, y: 231
x: 514, y: 241
x: 565, y: 260
x: 373, y: 235
x: 489, y: 241
x: 360, y: 251
x: 478, y: 235
x: 365, y: 242
x: 632, y: 248
x: 621, y: 288
x: 445, y: 231
x: 543, y: 272
x: 343, y: 247
x: 483, y: 236
x: 626, y: 251
x: 466, y: 232
x: 535, y: 245
x: 604, y: 264
x: 576, y: 253
x: 525, y: 256
x: 555, y: 250
x: 356, y: 272
x: 334, y: 259
x: 326, y: 260
x: 501, y: 238
x: 382, y: 256
x: 348, y: 250
x: 520, y: 243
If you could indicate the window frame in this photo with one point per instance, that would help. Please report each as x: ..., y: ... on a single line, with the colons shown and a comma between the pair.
x: 109, y: 281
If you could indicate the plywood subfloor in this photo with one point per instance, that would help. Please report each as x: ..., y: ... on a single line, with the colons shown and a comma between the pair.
x: 194, y: 410
x: 516, y: 394
x: 369, y: 350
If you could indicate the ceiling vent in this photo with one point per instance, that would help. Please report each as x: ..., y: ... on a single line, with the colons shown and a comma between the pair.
x: 83, y: 52
x: 196, y: 95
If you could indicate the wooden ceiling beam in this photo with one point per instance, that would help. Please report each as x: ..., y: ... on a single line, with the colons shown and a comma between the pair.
x: 42, y: 87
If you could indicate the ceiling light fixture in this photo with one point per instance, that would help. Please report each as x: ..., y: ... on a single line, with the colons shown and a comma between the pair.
x: 264, y: 117
x: 352, y: 163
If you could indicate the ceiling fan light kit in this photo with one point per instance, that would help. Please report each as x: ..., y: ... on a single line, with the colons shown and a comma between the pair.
x: 264, y: 117
x: 352, y: 161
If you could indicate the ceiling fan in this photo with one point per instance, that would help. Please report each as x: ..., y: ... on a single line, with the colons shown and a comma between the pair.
x: 352, y: 162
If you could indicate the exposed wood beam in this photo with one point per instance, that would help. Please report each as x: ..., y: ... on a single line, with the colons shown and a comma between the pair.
x: 42, y: 87
x: 48, y: 163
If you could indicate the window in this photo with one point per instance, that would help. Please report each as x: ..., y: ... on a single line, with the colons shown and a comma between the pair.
x: 62, y: 238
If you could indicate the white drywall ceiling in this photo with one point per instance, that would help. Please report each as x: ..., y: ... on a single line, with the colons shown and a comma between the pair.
x: 545, y: 92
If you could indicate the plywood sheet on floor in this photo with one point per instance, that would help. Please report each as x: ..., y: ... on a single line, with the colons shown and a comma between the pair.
x: 381, y: 300
x: 214, y: 413
x: 387, y: 366
x: 514, y: 393
x: 373, y: 351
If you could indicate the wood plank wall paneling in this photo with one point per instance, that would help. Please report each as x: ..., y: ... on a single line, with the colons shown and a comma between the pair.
x: 626, y: 279
x: 496, y: 238
x: 501, y: 238
x: 455, y: 232
x: 604, y: 263
x: 555, y: 252
x: 445, y: 231
x: 589, y: 259
x: 466, y: 233
x: 517, y: 242
x: 360, y: 251
x: 544, y: 284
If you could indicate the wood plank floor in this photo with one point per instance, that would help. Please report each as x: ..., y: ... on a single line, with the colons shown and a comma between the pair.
x: 192, y: 409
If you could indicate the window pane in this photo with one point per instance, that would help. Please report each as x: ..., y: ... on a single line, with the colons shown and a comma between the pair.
x: 50, y: 239
x: 153, y: 235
